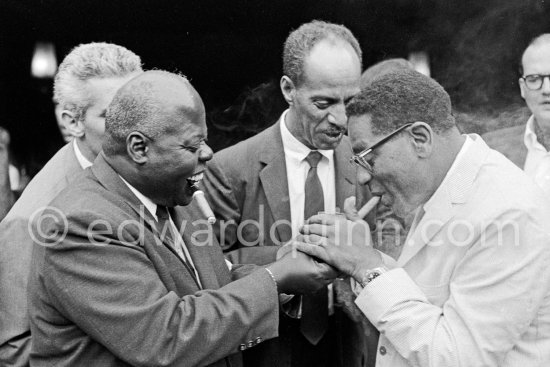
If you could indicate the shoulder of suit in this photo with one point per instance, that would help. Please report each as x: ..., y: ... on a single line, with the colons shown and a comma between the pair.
x: 505, y: 136
x: 250, y: 147
x: 47, y: 183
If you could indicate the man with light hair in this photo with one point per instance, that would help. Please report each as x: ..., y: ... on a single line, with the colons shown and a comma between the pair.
x: 528, y: 146
x: 85, y: 83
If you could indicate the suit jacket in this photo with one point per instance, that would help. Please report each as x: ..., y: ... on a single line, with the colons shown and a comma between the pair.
x: 510, y: 142
x: 15, y: 253
x: 248, y: 183
x: 473, y: 287
x: 108, y: 292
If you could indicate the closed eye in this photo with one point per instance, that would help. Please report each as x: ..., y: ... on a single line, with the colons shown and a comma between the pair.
x: 322, y: 104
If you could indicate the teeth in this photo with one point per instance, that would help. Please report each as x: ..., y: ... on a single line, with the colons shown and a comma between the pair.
x: 196, y: 177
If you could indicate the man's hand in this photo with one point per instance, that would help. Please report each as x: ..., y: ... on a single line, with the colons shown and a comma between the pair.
x: 297, y: 272
x: 340, y: 242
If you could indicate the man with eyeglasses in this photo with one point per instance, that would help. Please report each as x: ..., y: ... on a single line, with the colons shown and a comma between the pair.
x: 472, y: 284
x: 529, y: 146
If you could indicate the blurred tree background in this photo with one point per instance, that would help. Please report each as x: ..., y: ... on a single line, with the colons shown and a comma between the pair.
x: 231, y: 51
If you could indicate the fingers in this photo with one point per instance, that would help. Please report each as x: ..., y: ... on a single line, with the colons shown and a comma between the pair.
x: 313, y: 239
x: 317, y: 229
x: 349, y: 208
x: 371, y: 204
x: 312, y: 250
x: 327, y: 219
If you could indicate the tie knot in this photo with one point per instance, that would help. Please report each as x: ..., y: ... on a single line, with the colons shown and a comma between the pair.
x: 162, y: 212
x: 313, y: 158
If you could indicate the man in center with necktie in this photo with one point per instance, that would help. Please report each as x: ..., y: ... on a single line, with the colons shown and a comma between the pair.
x: 263, y: 188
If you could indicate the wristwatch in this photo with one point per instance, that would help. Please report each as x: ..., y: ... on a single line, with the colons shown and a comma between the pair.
x: 371, y: 274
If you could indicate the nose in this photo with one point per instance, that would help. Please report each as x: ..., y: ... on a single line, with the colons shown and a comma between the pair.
x: 205, y: 153
x: 363, y: 176
x: 337, y: 115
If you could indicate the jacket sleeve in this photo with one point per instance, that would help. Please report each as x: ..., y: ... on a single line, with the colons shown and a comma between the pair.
x: 495, y: 293
x: 16, y: 248
x: 114, y: 294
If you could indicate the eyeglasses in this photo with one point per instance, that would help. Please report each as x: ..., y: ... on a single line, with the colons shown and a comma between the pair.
x: 534, y: 81
x: 360, y: 160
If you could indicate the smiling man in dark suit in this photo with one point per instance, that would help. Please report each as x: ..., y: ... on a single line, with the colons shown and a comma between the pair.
x: 128, y: 276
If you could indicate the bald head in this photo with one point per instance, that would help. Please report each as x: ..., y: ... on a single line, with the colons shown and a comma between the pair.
x: 539, y: 43
x: 148, y: 104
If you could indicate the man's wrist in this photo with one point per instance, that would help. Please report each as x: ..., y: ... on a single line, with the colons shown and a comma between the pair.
x: 371, y: 274
x: 366, y: 265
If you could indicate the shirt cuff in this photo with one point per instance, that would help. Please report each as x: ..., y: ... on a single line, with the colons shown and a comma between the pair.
x: 387, y: 290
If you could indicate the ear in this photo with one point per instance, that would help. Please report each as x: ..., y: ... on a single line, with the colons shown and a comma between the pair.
x: 289, y: 89
x: 137, y: 146
x: 73, y: 125
x: 522, y: 87
x: 422, y: 138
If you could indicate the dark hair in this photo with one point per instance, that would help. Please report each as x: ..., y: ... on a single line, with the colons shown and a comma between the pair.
x: 300, y: 42
x: 383, y: 67
x: 403, y: 96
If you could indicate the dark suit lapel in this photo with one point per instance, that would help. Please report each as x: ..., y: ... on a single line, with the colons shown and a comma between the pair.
x: 274, y: 180
x: 198, y: 243
x: 161, y: 251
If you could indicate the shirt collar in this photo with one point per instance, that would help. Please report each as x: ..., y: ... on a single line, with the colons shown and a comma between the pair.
x: 84, y: 163
x: 295, y: 148
x: 148, y: 203
x: 467, y: 143
x: 530, y: 138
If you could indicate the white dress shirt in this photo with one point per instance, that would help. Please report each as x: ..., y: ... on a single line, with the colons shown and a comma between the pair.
x: 537, y: 163
x: 296, y: 171
x: 83, y: 161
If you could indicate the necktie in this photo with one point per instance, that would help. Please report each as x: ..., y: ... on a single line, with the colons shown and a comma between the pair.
x: 314, y: 306
x: 168, y: 233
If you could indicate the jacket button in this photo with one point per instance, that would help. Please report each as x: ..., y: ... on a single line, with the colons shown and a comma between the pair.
x: 242, y: 347
x: 258, y: 340
x: 383, y: 350
x: 250, y: 344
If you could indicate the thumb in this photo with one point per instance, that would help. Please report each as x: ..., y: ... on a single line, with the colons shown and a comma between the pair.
x: 350, y: 210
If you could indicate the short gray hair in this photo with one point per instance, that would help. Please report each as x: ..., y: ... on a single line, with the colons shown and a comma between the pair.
x: 136, y: 107
x: 87, y: 61
x: 300, y: 42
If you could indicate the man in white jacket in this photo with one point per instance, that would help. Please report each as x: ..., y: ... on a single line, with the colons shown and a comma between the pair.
x: 472, y: 284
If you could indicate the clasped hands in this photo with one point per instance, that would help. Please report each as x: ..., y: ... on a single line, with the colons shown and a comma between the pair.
x: 337, y: 245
